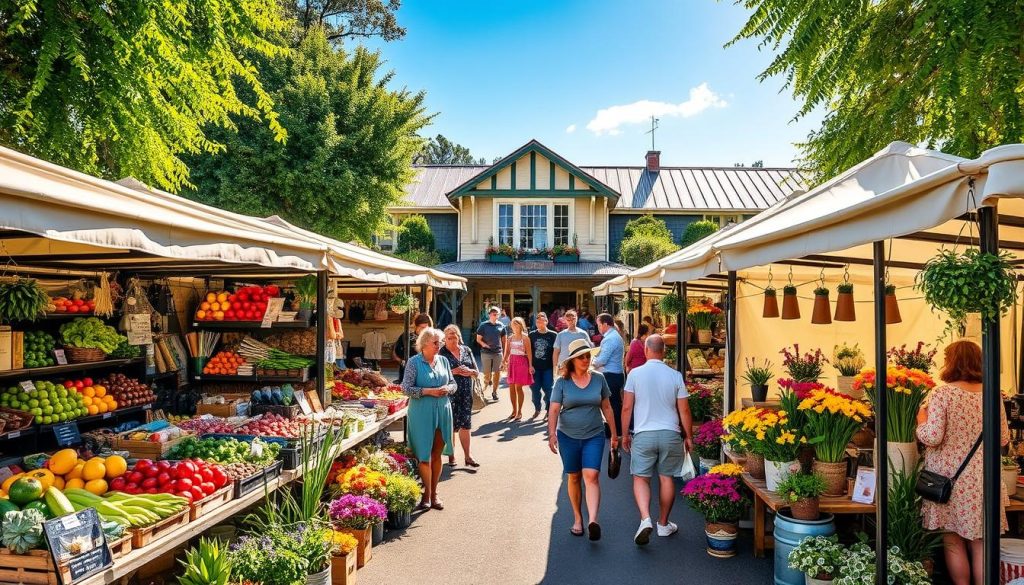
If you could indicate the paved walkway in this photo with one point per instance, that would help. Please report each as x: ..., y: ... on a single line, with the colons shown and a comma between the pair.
x: 507, y: 522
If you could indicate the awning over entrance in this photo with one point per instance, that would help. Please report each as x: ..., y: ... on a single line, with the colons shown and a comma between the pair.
x: 530, y: 269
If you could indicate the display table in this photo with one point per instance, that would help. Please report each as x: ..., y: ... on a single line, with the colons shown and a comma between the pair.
x: 136, y: 559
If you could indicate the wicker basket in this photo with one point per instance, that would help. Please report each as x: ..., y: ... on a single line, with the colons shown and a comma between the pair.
x: 84, y: 355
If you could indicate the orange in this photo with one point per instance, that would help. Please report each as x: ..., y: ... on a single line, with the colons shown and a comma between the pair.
x: 87, y: 401
x: 93, y: 409
x: 102, y: 406
x: 95, y: 468
x: 58, y: 482
x: 76, y: 471
x: 222, y: 297
x: 63, y: 461
x: 116, y: 466
x: 225, y: 306
x: 100, y: 391
x: 204, y: 306
x: 218, y: 315
x: 76, y: 482
x: 88, y: 392
x: 113, y: 405
x: 96, y: 486
x: 201, y: 314
x: 211, y: 297
x: 7, y: 483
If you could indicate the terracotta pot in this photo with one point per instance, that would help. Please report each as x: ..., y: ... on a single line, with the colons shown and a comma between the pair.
x: 834, y: 475
x: 754, y: 465
x: 805, y: 509
x: 822, y: 315
x: 721, y: 539
x: 703, y: 336
x: 771, y: 306
x: 845, y: 310
x: 790, y: 306
x: 892, y: 310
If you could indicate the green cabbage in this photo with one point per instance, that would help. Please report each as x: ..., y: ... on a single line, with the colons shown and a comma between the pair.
x: 91, y: 333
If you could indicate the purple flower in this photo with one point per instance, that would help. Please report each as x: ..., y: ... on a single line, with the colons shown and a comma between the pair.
x: 357, y: 511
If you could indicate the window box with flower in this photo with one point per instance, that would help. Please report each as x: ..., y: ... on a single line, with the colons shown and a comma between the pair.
x: 501, y: 254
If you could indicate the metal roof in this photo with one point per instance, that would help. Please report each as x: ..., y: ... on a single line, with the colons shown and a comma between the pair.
x: 671, y: 189
x: 581, y: 269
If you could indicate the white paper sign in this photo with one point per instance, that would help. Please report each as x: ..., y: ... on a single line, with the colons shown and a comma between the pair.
x: 274, y: 308
x: 61, y: 357
x: 864, y: 488
x: 140, y: 329
x: 27, y: 385
x: 304, y: 406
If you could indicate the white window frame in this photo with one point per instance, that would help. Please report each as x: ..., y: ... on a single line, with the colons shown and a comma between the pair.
x: 516, y: 203
x: 723, y: 219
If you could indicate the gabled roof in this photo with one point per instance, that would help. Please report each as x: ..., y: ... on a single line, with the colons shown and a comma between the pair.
x: 535, y: 146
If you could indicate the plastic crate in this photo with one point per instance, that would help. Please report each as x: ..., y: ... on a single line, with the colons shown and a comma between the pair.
x: 256, y: 481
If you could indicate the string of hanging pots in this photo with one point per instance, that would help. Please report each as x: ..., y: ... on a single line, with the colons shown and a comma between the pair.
x: 821, y: 314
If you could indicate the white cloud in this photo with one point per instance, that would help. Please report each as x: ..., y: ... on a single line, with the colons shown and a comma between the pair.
x: 610, y: 120
x: 570, y: 129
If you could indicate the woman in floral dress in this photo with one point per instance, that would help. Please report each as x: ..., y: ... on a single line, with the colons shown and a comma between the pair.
x: 464, y: 367
x: 950, y: 425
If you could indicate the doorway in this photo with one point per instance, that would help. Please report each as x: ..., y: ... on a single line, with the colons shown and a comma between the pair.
x: 549, y: 301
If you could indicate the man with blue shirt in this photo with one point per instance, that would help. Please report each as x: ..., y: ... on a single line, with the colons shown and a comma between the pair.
x: 609, y: 361
x: 489, y: 336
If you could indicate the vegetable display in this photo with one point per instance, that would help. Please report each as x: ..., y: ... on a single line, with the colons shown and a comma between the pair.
x: 246, y: 304
x: 22, y: 530
x: 130, y: 510
x: 66, y: 305
x: 125, y: 350
x: 38, y: 349
x: 225, y: 450
x: 279, y: 395
x: 127, y: 391
x: 90, y: 332
x: 271, y: 358
x: 272, y: 425
x: 191, y: 480
x: 225, y: 363
x: 22, y: 300
x: 48, y: 402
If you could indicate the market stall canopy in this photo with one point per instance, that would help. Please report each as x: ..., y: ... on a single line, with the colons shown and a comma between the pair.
x: 55, y: 217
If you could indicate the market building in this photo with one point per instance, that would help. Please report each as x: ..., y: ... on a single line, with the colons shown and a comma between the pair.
x: 536, y: 200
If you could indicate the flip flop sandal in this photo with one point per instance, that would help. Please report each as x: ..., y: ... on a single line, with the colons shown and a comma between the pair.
x: 472, y: 463
x: 423, y: 506
x: 595, y: 531
x: 437, y: 505
x: 573, y: 532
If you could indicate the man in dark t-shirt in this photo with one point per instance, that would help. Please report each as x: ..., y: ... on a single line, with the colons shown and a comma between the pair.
x: 489, y: 336
x: 542, y: 342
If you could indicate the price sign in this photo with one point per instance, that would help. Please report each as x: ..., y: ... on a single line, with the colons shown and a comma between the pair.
x: 274, y: 308
x: 140, y: 329
x: 147, y: 406
x: 300, y: 399
x: 67, y: 434
x: 61, y: 357
x: 27, y: 385
x: 77, y: 542
x: 13, y: 434
x: 107, y: 415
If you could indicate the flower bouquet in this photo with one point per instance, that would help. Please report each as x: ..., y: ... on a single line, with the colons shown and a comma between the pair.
x: 703, y: 315
x: 705, y: 399
x: 358, y: 512
x: 848, y: 361
x: 778, y: 441
x: 707, y: 442
x: 363, y: 481
x: 906, y: 390
x: 831, y: 421
x: 914, y: 359
x: 740, y: 426
x: 402, y: 494
x: 719, y: 500
x: 803, y: 368
x: 819, y: 557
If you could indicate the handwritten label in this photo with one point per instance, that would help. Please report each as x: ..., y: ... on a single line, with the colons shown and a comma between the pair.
x: 67, y: 434
x: 77, y: 542
x: 28, y: 386
x: 61, y: 357
x: 140, y: 329
x: 274, y: 308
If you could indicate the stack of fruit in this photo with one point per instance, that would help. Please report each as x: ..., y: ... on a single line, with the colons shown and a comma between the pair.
x: 246, y: 304
x: 66, y: 305
x: 189, y: 479
x: 204, y: 426
x: 46, y: 401
x: 135, y: 510
x: 225, y: 450
x: 63, y: 470
x: 127, y: 391
x: 272, y: 425
x: 38, y: 349
x: 225, y: 363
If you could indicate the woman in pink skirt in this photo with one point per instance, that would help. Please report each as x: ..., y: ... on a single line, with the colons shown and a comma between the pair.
x: 518, y: 363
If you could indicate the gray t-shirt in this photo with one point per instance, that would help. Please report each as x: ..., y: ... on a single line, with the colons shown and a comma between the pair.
x: 565, y: 337
x: 580, y: 416
x: 492, y: 334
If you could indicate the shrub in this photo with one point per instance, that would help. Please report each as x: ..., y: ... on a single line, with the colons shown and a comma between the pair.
x: 421, y: 257
x: 697, y: 231
x: 647, y: 225
x: 414, y: 234
x: 643, y: 249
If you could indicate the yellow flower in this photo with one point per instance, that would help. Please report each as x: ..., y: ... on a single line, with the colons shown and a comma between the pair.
x: 727, y: 469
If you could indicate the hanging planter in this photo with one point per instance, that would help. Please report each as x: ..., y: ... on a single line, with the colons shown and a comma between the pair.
x: 845, y: 310
x: 968, y: 282
x: 790, y: 304
x: 672, y: 304
x: 401, y: 303
x: 628, y: 304
x: 822, y: 315
x: 892, y: 306
x: 771, y: 304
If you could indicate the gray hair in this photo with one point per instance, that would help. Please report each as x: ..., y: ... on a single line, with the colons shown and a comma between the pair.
x: 455, y: 328
x: 655, y: 343
x: 426, y: 336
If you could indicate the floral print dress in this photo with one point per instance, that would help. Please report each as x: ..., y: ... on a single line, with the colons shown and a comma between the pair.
x: 953, y: 425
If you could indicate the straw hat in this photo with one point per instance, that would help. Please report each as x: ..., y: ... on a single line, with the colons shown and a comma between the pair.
x: 577, y: 348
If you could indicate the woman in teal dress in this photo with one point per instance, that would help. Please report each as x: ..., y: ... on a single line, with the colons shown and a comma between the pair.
x: 428, y: 381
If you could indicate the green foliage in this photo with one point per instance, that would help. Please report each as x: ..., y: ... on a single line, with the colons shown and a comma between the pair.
x: 129, y: 86
x: 798, y: 486
x: 402, y: 493
x: 349, y: 153
x: 968, y: 282
x: 644, y: 248
x: 206, y: 565
x: 422, y: 257
x: 905, y: 529
x: 22, y: 530
x: 697, y: 231
x: 646, y: 225
x: 414, y: 234
x: 343, y: 19
x: 305, y: 290
x: 441, y: 151
x: 672, y: 304
x: 22, y: 300
x: 846, y: 287
x: 926, y: 71
x: 757, y: 375
x: 90, y: 332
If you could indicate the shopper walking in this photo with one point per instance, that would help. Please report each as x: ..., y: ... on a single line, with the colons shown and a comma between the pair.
x: 949, y: 428
x: 463, y: 364
x: 518, y: 362
x: 488, y: 337
x: 567, y: 336
x: 656, y: 403
x: 419, y: 323
x: 542, y: 341
x: 636, y: 356
x: 609, y: 361
x: 428, y: 381
x: 575, y: 431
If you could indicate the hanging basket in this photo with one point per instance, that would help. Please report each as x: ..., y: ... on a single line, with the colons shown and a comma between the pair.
x: 822, y: 314
x: 845, y: 310
x: 672, y: 304
x: 790, y: 304
x: 628, y: 305
x: 771, y: 304
x: 892, y: 306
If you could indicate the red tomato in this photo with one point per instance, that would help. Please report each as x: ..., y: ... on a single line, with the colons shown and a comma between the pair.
x: 163, y: 465
x: 183, y: 484
x: 135, y: 477
x: 69, y: 384
x: 149, y: 482
x: 72, y: 309
x: 220, y: 479
x: 207, y: 474
x: 150, y: 471
x: 197, y: 493
x: 185, y: 494
x: 208, y: 487
x: 79, y: 384
x: 141, y: 463
x: 152, y: 490
x: 184, y: 469
x: 78, y: 302
x: 164, y: 478
x: 87, y: 381
x: 118, y: 484
x: 272, y: 290
x: 131, y: 489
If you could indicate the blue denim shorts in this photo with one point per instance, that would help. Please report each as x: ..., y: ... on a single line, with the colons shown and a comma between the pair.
x: 580, y: 454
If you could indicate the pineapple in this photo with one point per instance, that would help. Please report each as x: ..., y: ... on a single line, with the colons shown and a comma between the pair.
x: 209, y: 565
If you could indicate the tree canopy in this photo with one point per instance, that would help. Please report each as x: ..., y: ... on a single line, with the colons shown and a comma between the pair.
x: 642, y: 249
x: 126, y: 87
x: 349, y: 150
x: 946, y: 74
x: 697, y: 231
x: 441, y: 151
x: 414, y: 234
x: 649, y: 225
x: 343, y: 19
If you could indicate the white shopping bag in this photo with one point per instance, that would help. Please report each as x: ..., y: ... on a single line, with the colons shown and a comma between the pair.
x: 687, y: 471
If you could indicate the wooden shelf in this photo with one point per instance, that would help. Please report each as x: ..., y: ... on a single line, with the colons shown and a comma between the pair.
x: 250, y: 325
x: 54, y: 370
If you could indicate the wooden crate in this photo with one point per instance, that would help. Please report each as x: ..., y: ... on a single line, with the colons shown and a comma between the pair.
x: 226, y: 410
x: 144, y: 449
x: 343, y: 569
x: 210, y: 502
x: 35, y: 568
x: 143, y: 536
x: 121, y: 546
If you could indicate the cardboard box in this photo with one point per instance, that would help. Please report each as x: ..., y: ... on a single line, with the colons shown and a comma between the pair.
x: 18, y: 350
x: 6, y: 355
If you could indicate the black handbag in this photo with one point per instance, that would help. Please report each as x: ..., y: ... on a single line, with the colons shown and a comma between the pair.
x: 938, y: 488
x: 614, y: 463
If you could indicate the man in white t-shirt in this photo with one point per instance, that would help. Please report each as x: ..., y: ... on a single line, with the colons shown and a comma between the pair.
x: 658, y: 396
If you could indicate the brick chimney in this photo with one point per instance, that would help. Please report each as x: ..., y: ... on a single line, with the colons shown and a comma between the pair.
x: 653, y: 161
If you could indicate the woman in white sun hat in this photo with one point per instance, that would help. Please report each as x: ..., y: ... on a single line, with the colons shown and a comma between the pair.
x: 576, y: 430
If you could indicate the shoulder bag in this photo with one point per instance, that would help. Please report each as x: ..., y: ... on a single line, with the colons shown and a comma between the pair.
x: 938, y: 488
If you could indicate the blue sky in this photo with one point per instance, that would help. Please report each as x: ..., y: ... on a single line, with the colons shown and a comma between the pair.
x: 579, y: 75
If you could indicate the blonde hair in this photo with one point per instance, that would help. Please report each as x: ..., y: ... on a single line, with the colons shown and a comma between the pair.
x: 522, y: 324
x: 455, y: 328
x: 426, y: 335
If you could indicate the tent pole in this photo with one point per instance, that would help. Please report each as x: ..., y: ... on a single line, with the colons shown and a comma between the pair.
x: 639, y: 313
x: 991, y: 405
x: 679, y: 330
x: 881, y: 416
x: 681, y: 337
x: 408, y: 326
x: 730, y: 346
x: 321, y: 335
x: 629, y: 326
x: 423, y: 301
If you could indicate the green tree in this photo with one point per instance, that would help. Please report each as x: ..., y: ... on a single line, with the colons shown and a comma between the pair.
x: 642, y: 249
x: 649, y: 225
x: 441, y: 151
x: 697, y: 231
x: 414, y: 234
x: 343, y: 19
x: 421, y: 257
x: 945, y: 74
x: 127, y: 87
x: 349, y: 153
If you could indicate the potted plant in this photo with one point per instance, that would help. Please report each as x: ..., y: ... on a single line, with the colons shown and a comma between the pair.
x: 1010, y: 473
x: 892, y: 306
x: 848, y: 361
x: 758, y: 377
x: 720, y: 501
x: 740, y: 426
x: 802, y: 491
x: 971, y: 281
x: 672, y: 304
x: 22, y: 299
x: 89, y: 340
x: 778, y: 440
x: 913, y: 359
x: 282, y: 554
x: 904, y: 527
x: 402, y: 494
x: 208, y: 564
x: 906, y: 389
x: 357, y: 515
x: 771, y: 303
x: 821, y: 314
x: 305, y: 293
x: 503, y: 253
x: 831, y: 420
x: 705, y: 399
x: 858, y: 567
x: 343, y: 558
x: 707, y: 442
x: 565, y: 253
x: 803, y: 368
x: 703, y: 315
x: 628, y: 304
x: 790, y: 303
x: 534, y: 254
x: 845, y: 309
x: 401, y: 302
x: 818, y: 558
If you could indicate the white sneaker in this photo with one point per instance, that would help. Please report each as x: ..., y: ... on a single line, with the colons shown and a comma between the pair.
x: 643, y: 534
x: 667, y: 529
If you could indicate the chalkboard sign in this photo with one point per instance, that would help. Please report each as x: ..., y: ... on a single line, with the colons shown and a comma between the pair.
x: 76, y: 541
x: 67, y: 434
